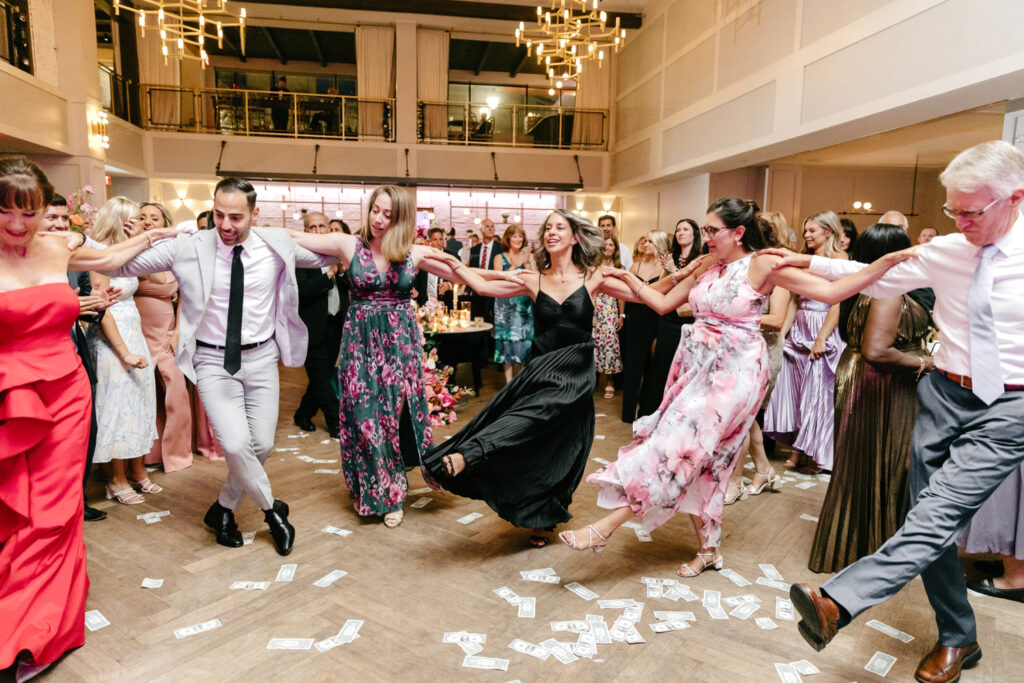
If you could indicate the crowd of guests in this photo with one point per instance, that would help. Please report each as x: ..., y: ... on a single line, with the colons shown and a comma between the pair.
x: 719, y: 335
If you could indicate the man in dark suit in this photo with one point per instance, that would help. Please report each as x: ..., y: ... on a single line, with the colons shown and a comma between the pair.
x: 319, y: 304
x: 429, y: 286
x: 453, y: 246
x: 482, y: 256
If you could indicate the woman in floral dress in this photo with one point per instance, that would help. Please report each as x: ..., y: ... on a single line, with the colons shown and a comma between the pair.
x: 513, y: 317
x: 684, y: 453
x: 384, y: 415
x: 607, y: 323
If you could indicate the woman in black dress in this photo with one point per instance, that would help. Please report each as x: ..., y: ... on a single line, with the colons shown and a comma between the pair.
x: 641, y: 330
x: 525, y: 452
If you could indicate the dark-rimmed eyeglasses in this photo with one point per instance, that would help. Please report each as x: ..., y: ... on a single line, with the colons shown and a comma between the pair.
x: 971, y: 215
x: 709, y: 231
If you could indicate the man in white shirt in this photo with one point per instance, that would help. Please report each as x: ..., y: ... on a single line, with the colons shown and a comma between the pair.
x: 610, y: 229
x: 969, y: 434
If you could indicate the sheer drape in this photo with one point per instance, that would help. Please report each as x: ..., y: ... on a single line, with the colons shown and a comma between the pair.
x: 593, y: 89
x: 375, y: 78
x: 164, y: 101
x: 432, y: 81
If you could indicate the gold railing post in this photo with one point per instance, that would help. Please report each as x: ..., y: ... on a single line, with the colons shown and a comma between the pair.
x: 245, y: 103
x: 295, y: 115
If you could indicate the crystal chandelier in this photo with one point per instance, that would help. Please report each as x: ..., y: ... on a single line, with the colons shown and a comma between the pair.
x: 186, y: 22
x: 566, y: 34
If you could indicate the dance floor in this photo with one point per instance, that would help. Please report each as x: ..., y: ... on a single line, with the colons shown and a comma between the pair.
x: 432, y: 575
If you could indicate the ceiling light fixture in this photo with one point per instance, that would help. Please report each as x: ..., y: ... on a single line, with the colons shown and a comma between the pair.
x: 186, y: 22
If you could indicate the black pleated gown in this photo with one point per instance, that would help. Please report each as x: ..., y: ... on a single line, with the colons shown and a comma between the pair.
x: 527, y: 449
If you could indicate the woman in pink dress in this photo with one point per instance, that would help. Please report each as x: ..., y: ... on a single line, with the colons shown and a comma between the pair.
x: 155, y: 300
x: 45, y: 406
x: 684, y: 453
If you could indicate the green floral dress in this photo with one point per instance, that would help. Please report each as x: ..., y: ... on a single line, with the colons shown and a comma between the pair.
x: 513, y: 325
x: 381, y: 376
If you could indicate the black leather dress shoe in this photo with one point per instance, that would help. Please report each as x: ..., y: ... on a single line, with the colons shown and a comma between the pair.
x: 222, y: 521
x: 988, y: 587
x: 94, y: 515
x: 305, y: 425
x: 282, y: 533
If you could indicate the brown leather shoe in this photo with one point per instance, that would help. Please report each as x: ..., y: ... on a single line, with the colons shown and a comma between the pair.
x: 820, y: 621
x: 943, y: 664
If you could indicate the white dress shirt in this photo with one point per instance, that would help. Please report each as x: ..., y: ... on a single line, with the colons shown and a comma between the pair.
x: 625, y: 256
x: 947, y: 264
x: 263, y: 271
x: 333, y: 298
x: 432, y: 286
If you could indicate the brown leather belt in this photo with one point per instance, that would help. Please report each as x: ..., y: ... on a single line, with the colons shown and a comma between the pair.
x: 966, y: 383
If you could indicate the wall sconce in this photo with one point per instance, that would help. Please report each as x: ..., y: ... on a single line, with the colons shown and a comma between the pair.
x: 339, y: 214
x: 866, y: 206
x: 98, y: 130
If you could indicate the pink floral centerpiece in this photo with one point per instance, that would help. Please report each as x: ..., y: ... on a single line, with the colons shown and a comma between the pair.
x: 82, y: 213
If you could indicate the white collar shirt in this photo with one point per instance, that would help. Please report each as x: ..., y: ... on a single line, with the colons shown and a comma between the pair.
x: 263, y: 270
x: 947, y: 265
x: 432, y: 286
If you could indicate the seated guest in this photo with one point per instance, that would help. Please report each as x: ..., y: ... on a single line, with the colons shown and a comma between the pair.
x: 875, y: 410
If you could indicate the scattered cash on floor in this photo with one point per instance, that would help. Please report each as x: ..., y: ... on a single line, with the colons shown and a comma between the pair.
x: 94, y: 621
x: 290, y: 643
x: 880, y: 664
x: 152, y: 583
x: 890, y: 631
x: 286, y: 572
x: 197, y: 628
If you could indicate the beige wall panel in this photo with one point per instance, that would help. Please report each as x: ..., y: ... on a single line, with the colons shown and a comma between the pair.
x: 632, y: 162
x: 744, y: 183
x: 745, y: 118
x: 690, y: 77
x: 784, y: 195
x: 683, y: 199
x: 822, y: 17
x: 526, y: 167
x: 688, y: 19
x: 127, y: 145
x: 40, y: 117
x: 929, y: 46
x: 641, y: 56
x: 639, y: 109
x: 758, y: 37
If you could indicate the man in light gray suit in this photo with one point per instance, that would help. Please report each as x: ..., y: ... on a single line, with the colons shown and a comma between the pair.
x: 238, y: 316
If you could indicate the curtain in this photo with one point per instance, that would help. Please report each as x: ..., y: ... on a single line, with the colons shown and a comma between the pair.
x: 375, y: 78
x: 593, y: 90
x: 164, y: 100
x: 432, y: 81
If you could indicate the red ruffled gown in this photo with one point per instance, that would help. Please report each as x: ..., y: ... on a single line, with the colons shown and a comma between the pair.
x: 45, y: 405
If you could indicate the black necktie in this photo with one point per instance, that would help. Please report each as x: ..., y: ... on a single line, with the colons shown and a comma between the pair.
x: 233, y: 345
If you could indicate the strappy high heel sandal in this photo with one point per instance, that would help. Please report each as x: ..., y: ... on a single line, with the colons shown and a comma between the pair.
x: 449, y: 465
x: 569, y: 538
x: 126, y: 496
x: 394, y: 518
x: 707, y: 561
x: 734, y: 492
x: 145, y: 486
x: 772, y: 482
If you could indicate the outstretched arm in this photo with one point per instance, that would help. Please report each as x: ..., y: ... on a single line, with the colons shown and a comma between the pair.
x: 337, y: 245
x: 133, y: 254
x: 446, y: 266
x: 801, y: 282
x: 641, y: 292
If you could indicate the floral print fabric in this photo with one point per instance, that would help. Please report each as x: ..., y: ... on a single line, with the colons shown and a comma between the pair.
x: 683, y: 454
x: 381, y: 375
x: 513, y: 325
x: 607, y: 357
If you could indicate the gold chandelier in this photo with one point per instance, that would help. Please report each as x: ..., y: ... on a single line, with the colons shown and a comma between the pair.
x: 567, y: 33
x: 186, y: 22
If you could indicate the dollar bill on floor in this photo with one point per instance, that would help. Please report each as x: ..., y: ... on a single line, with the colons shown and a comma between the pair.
x: 643, y: 535
x: 290, y: 643
x: 599, y: 437
x: 599, y: 629
x: 464, y: 637
x: 666, y: 626
x: 805, y: 668
x: 249, y: 585
x: 745, y: 610
x: 681, y: 592
x: 527, y: 608
x: 631, y: 524
x: 634, y: 637
x: 809, y: 518
x: 530, y: 649
x: 712, y: 602
x: 633, y: 612
x: 824, y: 477
x: 421, y: 503
x: 336, y: 531
x: 619, y: 603
x: 507, y: 594
x: 286, y: 572
x: 416, y: 492
x: 194, y: 629
x: 771, y: 583
x: 160, y: 513
x: 582, y: 591
x: 471, y: 517
x: 327, y: 579
x: 890, y: 631
x: 570, y: 626
x: 654, y: 590
x: 248, y: 537
x: 662, y: 615
x: 324, y: 462
x: 350, y: 630
x: 287, y: 450
x: 734, y: 577
x: 783, y: 608
x: 475, y: 662
x: 765, y: 624
x: 806, y: 484
x: 880, y: 664
x: 303, y: 458
x: 152, y: 583
x: 601, y: 461
x: 770, y: 572
x: 559, y: 651
x: 586, y: 646
x: 787, y: 674
x: 322, y: 471
x: 94, y: 621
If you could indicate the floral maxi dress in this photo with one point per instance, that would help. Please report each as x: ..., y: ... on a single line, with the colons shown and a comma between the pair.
x: 683, y: 454
x: 513, y: 325
x: 607, y: 358
x: 381, y: 377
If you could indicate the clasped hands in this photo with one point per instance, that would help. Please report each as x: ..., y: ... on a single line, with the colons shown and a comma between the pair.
x: 99, y: 300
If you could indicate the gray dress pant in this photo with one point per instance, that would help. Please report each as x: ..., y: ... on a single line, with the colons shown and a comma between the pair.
x: 962, y: 451
x: 243, y: 411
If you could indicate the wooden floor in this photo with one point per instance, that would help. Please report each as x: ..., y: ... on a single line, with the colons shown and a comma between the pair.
x: 432, y: 575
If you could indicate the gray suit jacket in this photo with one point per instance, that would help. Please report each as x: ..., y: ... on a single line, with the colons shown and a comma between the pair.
x: 191, y: 258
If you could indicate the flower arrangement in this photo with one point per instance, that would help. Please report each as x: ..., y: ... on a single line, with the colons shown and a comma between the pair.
x: 81, y: 212
x: 442, y: 395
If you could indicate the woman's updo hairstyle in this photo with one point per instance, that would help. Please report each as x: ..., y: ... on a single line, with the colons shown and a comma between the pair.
x: 736, y: 212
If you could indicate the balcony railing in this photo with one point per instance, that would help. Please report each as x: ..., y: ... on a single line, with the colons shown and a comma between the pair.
x: 228, y: 111
x: 120, y: 96
x: 512, y: 125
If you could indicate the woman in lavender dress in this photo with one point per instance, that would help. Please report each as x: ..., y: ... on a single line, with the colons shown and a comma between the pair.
x: 998, y: 528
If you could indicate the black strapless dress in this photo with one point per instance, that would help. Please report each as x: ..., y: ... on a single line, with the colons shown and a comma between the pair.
x: 527, y: 449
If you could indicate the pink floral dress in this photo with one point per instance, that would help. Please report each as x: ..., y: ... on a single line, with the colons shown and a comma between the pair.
x: 683, y: 454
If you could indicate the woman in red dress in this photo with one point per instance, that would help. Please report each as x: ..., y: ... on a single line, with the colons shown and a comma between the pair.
x: 44, y: 425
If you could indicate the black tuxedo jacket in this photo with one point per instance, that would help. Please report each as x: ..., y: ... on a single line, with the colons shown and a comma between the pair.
x: 474, y: 255
x: 80, y: 279
x: 313, y: 289
x: 420, y: 283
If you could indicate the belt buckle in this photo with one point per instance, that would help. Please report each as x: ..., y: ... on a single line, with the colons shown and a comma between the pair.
x: 964, y: 380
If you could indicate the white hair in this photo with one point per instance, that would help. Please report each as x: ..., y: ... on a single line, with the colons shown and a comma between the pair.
x: 997, y: 165
x: 900, y: 219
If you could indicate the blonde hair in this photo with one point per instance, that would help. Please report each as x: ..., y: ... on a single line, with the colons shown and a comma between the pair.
x: 108, y: 226
x: 399, y: 238
x: 829, y: 221
x: 780, y: 228
x: 661, y: 241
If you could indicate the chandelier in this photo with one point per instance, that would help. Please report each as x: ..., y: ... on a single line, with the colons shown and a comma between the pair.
x: 186, y: 22
x: 566, y: 34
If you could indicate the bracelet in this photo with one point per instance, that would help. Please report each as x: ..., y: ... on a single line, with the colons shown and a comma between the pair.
x: 674, y: 277
x: 642, y: 285
x: 923, y: 369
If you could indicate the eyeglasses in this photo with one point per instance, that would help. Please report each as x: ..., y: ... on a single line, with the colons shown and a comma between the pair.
x: 709, y: 231
x: 971, y: 215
